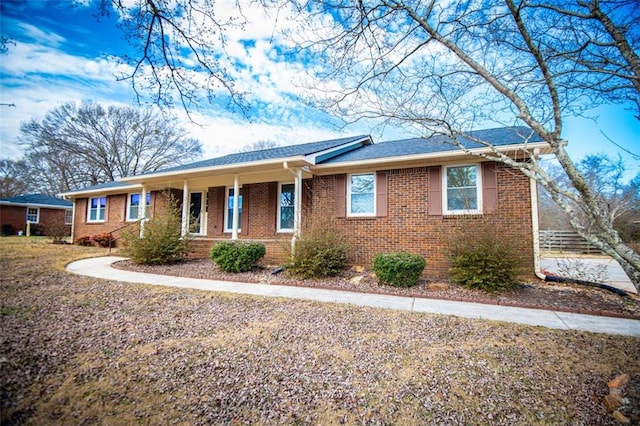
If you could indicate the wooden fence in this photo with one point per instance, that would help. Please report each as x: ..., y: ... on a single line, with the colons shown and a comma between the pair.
x: 565, y: 241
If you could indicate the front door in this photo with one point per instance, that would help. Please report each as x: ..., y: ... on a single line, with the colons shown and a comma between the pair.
x: 196, y: 213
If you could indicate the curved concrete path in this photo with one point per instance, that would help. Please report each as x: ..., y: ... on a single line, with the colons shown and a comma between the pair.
x: 100, y: 267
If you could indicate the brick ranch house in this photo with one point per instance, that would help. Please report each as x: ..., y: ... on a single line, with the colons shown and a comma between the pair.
x: 410, y: 195
x: 42, y: 211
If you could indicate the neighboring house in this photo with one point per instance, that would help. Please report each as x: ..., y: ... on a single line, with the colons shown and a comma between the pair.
x: 42, y: 211
x: 412, y: 195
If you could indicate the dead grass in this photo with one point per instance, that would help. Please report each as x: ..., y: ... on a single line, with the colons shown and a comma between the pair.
x: 78, y: 350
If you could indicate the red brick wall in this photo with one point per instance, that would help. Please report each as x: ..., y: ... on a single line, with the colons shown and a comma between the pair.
x: 13, y: 216
x: 16, y: 217
x: 408, y: 227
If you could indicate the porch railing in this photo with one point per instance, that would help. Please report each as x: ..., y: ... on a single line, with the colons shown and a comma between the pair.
x: 113, y: 240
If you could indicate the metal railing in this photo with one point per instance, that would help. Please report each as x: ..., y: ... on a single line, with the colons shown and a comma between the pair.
x: 113, y: 240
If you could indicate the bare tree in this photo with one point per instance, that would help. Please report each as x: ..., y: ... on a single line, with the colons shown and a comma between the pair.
x: 179, y: 49
x: 76, y: 145
x: 13, y: 175
x: 448, y: 69
x: 258, y: 146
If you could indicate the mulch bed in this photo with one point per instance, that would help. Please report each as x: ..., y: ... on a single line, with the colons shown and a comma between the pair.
x: 564, y: 297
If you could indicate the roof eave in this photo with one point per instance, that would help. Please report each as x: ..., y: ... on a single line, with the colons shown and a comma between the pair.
x: 43, y: 206
x: 276, y: 163
x: 411, y: 160
x: 110, y: 190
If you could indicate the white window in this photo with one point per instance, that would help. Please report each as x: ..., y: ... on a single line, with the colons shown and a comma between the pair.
x: 68, y: 216
x: 133, y: 206
x: 228, y: 213
x: 361, y: 190
x: 461, y: 189
x: 286, y: 207
x: 97, y: 207
x: 33, y: 214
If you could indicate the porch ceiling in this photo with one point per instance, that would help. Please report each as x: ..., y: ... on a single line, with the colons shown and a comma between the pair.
x: 213, y: 178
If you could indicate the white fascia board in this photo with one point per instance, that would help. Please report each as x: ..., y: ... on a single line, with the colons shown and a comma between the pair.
x: 428, y: 156
x: 33, y: 205
x: 184, y: 174
x: 111, y: 190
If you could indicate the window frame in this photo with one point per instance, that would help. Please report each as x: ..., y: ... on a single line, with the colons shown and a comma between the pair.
x: 227, y: 214
x: 37, y: 209
x: 374, y: 192
x: 279, y: 227
x: 202, y: 229
x: 70, y: 213
x: 129, y: 205
x: 104, y: 210
x: 445, y: 188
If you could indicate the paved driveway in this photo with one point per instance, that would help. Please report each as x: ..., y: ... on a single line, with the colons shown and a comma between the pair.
x: 616, y: 275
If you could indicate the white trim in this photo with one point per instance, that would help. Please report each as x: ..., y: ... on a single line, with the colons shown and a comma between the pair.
x: 138, y: 216
x: 98, y: 220
x: 279, y: 212
x: 537, y: 269
x: 40, y: 206
x: 70, y: 210
x: 37, y: 215
x: 185, y: 208
x: 445, y: 201
x: 367, y: 214
x: 440, y: 156
x: 236, y: 208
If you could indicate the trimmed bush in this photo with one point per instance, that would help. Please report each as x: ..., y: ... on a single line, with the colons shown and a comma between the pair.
x: 237, y: 256
x: 162, y: 242
x: 321, y: 252
x: 485, y: 261
x: 398, y: 269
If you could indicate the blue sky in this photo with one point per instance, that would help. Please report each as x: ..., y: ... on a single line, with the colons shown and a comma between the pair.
x: 62, y: 53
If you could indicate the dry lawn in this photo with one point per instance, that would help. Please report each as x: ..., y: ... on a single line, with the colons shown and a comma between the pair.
x: 79, y: 350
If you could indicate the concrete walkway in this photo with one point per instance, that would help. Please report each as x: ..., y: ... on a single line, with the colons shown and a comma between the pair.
x: 100, y: 267
x: 616, y: 277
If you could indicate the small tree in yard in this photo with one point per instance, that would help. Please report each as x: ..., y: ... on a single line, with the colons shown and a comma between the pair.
x: 161, y: 242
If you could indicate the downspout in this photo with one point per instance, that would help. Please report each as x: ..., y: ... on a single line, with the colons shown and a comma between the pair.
x: 536, y: 230
x: 297, y: 203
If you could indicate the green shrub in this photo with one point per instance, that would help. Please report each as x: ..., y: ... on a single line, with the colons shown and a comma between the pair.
x: 398, y: 269
x: 486, y: 260
x: 162, y: 241
x: 321, y: 252
x: 237, y: 256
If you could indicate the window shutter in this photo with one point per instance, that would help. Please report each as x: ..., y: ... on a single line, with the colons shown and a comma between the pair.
x: 272, y: 207
x: 244, y: 226
x: 220, y: 195
x: 341, y: 195
x: 435, y: 191
x: 489, y: 187
x: 381, y: 194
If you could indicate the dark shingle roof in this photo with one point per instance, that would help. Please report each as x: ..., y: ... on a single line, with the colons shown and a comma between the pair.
x: 265, y: 154
x: 39, y: 199
x: 438, y: 143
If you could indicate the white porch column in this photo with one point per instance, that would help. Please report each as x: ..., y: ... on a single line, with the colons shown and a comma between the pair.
x: 142, y: 209
x: 297, y: 208
x: 236, y: 208
x: 185, y: 208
